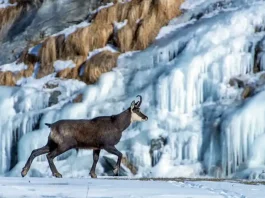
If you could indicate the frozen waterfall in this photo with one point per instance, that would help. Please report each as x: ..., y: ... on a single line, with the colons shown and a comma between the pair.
x: 198, y: 123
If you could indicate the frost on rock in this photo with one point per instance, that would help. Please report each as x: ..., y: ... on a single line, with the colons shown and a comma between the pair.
x: 198, y: 123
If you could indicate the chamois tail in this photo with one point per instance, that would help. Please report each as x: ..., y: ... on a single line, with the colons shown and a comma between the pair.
x: 49, y: 125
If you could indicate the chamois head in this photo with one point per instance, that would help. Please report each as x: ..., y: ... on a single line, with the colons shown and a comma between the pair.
x: 136, y: 114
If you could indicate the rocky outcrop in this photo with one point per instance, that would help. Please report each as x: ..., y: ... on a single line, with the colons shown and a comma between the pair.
x: 78, y: 98
x: 259, y: 55
x: 109, y: 165
x: 156, y: 149
x: 98, y: 64
x: 32, y: 21
x: 144, y: 20
x: 249, y: 86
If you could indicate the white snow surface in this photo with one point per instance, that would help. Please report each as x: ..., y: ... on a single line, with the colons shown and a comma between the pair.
x: 5, y: 4
x: 208, y: 129
x: 66, y: 32
x: 103, y: 188
x: 60, y: 65
x: 120, y: 25
x: 97, y: 51
x: 102, y: 7
x: 13, y: 67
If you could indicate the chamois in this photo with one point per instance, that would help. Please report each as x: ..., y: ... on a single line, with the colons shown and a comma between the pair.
x: 98, y: 133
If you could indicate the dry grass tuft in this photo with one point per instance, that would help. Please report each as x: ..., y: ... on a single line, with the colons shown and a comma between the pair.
x: 8, y: 16
x: 68, y: 73
x: 76, y: 45
x: 108, y: 15
x: 149, y: 28
x: 170, y: 8
x: 60, y: 46
x: 99, y: 35
x: 98, y: 64
x: 145, y: 8
x: 125, y: 37
x: 7, y: 78
x: 72, y: 73
x: 160, y: 12
x: 47, y: 55
x: 145, y: 19
x: 132, y: 11
x: 27, y: 72
x: 79, y: 60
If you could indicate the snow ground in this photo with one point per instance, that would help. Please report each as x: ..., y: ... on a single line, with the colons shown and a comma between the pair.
x: 107, y: 188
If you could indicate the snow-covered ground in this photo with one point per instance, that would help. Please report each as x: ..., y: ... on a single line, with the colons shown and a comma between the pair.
x: 108, y: 188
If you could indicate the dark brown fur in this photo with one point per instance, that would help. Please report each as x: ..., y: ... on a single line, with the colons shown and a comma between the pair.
x: 98, y: 133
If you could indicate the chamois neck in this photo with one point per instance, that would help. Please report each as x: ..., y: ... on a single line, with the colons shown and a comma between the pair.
x: 123, y: 120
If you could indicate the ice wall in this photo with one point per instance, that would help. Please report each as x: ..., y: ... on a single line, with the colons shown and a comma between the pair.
x: 20, y: 109
x: 242, y: 133
x: 184, y: 80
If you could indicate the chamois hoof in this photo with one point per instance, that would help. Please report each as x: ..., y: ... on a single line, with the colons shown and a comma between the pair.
x: 93, y: 175
x: 57, y: 175
x: 116, y: 172
x: 24, y: 172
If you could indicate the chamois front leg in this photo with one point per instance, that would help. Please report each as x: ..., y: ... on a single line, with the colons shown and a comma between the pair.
x: 114, y: 151
x: 58, y: 151
x: 95, y: 160
x: 33, y: 155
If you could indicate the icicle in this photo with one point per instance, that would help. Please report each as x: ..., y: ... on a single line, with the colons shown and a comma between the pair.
x: 22, y: 122
x: 240, y: 131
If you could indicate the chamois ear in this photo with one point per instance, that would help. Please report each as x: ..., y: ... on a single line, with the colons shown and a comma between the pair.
x: 132, y: 104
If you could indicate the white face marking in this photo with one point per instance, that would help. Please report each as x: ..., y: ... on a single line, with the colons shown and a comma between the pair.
x: 136, y: 118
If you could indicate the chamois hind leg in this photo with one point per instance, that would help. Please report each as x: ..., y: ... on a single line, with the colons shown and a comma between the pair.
x: 50, y: 156
x: 34, y: 154
x: 114, y: 151
x: 95, y: 161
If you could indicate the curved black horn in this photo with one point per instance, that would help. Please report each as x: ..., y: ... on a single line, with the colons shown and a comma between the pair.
x: 140, y: 102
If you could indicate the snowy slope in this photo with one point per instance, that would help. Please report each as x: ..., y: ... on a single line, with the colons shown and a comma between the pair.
x: 184, y: 80
x: 88, y: 188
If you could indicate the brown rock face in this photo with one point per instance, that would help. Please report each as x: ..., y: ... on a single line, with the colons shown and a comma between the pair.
x: 248, y: 91
x: 144, y: 20
x: 98, y: 64
x: 78, y: 99
x: 236, y: 82
x: 156, y: 149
